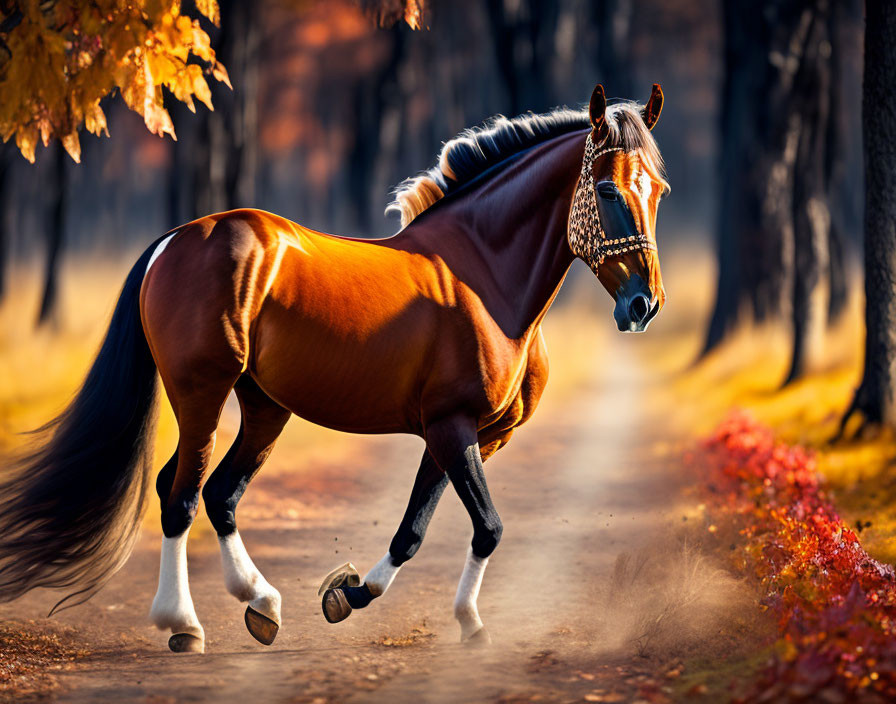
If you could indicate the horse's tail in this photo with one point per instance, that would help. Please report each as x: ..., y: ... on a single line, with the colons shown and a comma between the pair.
x: 70, y: 509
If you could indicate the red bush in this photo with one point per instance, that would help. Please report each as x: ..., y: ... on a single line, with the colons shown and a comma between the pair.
x: 836, y: 606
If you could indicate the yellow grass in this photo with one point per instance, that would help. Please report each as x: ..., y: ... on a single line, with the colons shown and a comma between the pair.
x: 747, y: 372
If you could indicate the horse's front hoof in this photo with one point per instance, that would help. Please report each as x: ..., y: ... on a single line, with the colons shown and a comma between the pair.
x: 263, y: 629
x: 343, y: 576
x: 479, y: 639
x: 186, y: 643
x: 335, y: 605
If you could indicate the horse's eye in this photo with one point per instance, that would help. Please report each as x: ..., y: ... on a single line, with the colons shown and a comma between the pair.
x: 607, y: 190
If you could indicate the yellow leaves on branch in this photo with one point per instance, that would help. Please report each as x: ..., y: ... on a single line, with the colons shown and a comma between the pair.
x: 60, y: 58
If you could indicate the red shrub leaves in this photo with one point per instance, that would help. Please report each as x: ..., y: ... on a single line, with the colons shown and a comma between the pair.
x: 836, y: 606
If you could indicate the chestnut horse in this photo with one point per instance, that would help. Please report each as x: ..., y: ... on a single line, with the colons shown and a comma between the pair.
x: 435, y: 331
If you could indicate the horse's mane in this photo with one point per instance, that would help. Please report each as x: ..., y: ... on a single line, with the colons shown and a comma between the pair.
x: 477, y: 149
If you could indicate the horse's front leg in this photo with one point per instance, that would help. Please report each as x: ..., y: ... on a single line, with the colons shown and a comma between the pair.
x: 454, y: 445
x: 431, y: 481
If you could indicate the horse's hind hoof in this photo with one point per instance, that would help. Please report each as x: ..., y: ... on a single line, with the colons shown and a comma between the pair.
x: 263, y: 629
x: 479, y: 639
x: 186, y: 643
x: 335, y: 605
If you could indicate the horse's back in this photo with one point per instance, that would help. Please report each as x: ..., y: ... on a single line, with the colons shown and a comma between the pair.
x: 345, y: 333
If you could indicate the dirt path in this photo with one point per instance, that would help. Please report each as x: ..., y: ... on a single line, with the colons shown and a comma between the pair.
x: 591, y: 478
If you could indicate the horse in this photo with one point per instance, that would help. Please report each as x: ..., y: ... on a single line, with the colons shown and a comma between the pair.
x: 435, y: 331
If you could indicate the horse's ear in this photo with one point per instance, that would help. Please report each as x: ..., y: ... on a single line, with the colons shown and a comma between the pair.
x: 596, y: 109
x: 651, y: 111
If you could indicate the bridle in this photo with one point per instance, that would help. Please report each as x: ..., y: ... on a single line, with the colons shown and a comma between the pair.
x: 586, y: 236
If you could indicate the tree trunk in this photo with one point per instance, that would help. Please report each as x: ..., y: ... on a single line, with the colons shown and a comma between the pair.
x: 613, y: 19
x: 7, y: 155
x: 738, y: 217
x: 227, y: 150
x: 179, y: 201
x: 524, y: 34
x: 811, y: 218
x: 835, y: 166
x: 773, y: 225
x: 875, y: 398
x: 374, y: 96
x: 55, y: 234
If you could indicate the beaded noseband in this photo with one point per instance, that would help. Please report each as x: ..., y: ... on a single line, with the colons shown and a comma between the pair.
x: 587, y: 238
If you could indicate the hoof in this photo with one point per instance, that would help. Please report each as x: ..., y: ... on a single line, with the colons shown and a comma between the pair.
x: 335, y: 605
x: 479, y: 639
x: 263, y: 629
x: 186, y: 643
x: 344, y: 576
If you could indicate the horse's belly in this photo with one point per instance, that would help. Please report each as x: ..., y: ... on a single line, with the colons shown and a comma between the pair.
x: 368, y: 385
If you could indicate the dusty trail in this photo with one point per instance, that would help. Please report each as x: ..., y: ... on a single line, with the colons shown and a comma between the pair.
x: 589, y: 478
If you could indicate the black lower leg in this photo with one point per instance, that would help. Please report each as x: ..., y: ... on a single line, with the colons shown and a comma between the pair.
x: 358, y: 597
x: 455, y: 447
x: 165, y: 480
x: 262, y: 422
x: 177, y: 511
x: 428, y: 487
x: 223, y: 491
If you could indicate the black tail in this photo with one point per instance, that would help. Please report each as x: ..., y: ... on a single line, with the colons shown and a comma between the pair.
x: 70, y: 509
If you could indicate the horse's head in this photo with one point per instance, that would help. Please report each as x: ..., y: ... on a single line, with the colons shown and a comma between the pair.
x: 612, y: 222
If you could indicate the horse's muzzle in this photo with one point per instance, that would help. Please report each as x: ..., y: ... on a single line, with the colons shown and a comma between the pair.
x: 635, y: 305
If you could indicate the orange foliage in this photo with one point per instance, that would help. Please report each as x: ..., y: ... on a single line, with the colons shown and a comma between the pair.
x: 59, y: 59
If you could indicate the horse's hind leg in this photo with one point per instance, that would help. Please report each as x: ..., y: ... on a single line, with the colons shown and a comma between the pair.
x: 178, y: 486
x: 262, y: 421
x: 428, y: 487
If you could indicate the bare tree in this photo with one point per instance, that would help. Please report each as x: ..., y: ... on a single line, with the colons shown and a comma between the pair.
x: 875, y: 399
x: 778, y: 256
x: 7, y: 156
x: 55, y: 236
x: 811, y: 216
x: 227, y: 145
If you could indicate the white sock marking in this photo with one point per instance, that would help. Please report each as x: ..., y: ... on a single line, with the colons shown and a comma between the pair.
x: 159, y: 250
x: 380, y: 577
x: 173, y: 606
x: 243, y: 579
x: 465, y: 609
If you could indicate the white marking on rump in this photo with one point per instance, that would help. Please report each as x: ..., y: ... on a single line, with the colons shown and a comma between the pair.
x: 173, y: 606
x: 159, y: 250
x: 243, y: 579
x: 295, y: 244
x: 465, y: 609
x: 380, y: 577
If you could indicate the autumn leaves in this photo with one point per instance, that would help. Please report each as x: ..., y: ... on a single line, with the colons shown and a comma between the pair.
x: 58, y: 60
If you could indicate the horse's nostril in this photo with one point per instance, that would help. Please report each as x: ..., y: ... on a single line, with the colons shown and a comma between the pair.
x: 638, y: 308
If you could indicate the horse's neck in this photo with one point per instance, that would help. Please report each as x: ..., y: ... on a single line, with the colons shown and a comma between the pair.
x: 516, y: 222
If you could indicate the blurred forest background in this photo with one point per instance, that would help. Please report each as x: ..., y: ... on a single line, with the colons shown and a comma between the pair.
x: 761, y: 133
x: 334, y: 103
